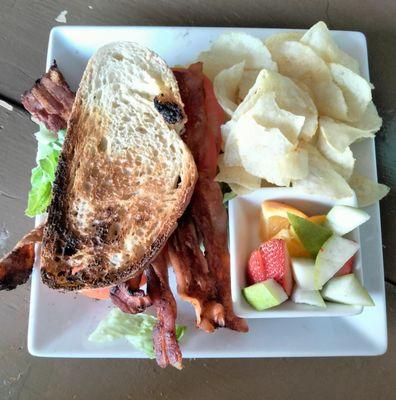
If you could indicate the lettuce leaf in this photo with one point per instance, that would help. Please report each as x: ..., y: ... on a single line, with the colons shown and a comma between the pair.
x: 228, y: 194
x: 137, y: 329
x: 43, y: 175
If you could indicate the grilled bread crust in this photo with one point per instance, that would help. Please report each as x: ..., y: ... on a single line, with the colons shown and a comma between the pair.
x: 124, y: 175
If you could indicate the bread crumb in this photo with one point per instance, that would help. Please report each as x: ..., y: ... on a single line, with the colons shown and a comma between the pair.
x: 7, y: 106
x: 61, y: 17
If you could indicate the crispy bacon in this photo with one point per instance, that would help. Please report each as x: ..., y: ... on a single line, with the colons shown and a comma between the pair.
x: 207, y: 209
x: 198, y: 137
x: 194, y: 280
x: 17, y: 265
x: 210, y: 218
x: 50, y: 100
x: 164, y: 334
x: 129, y: 298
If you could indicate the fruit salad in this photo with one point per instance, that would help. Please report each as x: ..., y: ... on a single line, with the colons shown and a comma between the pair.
x: 305, y: 258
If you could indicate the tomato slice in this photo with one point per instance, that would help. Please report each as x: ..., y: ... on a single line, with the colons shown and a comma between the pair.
x: 99, y: 294
x: 214, y: 112
x: 104, y: 293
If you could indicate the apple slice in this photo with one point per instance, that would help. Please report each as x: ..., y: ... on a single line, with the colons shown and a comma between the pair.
x: 334, y: 253
x: 311, y: 297
x: 312, y: 235
x: 304, y: 273
x: 344, y: 219
x: 265, y: 294
x: 347, y: 289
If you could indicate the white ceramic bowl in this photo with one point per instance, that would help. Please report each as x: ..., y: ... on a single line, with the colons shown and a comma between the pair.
x: 244, y: 212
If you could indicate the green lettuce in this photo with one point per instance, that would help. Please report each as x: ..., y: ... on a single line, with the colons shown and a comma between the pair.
x: 43, y: 175
x: 137, y: 329
x: 228, y: 194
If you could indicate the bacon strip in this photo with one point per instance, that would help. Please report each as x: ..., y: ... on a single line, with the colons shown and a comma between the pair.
x: 129, y: 298
x: 194, y: 280
x: 207, y: 209
x: 17, y: 265
x: 210, y: 218
x: 164, y: 334
x: 50, y: 100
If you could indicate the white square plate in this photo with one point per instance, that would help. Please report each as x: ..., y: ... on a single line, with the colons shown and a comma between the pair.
x: 59, y: 324
x: 244, y: 216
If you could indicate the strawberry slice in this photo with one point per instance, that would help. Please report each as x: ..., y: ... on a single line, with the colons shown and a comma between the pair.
x: 256, y: 268
x: 271, y: 260
x: 347, y: 267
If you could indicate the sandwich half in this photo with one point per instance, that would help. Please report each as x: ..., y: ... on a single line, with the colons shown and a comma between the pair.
x: 124, y: 175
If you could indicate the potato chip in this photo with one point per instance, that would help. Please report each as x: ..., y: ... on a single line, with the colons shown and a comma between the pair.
x: 226, y: 87
x: 288, y: 96
x: 273, y: 136
x: 238, y: 189
x: 230, y: 146
x: 367, y: 191
x: 231, y: 48
x: 262, y: 150
x: 330, y: 100
x: 356, y: 90
x: 247, y: 81
x: 236, y: 175
x: 275, y: 40
x: 295, y: 164
x: 267, y: 113
x: 298, y: 61
x: 370, y: 120
x: 343, y: 162
x: 319, y: 38
x: 340, y: 135
x: 322, y: 179
x: 226, y: 130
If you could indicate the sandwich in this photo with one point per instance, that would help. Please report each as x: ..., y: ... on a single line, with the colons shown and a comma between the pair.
x: 134, y: 192
x: 124, y: 178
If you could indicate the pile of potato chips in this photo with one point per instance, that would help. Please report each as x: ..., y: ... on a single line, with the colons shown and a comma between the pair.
x: 295, y: 102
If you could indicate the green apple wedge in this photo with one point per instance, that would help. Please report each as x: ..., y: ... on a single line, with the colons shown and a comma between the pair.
x: 344, y: 219
x: 334, y: 253
x: 312, y: 235
x: 347, y: 289
x: 265, y: 294
x: 311, y: 297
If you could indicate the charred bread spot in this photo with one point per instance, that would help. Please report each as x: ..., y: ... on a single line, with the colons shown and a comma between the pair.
x: 170, y: 111
x: 71, y: 246
x: 68, y: 247
x: 57, y: 214
x: 178, y: 181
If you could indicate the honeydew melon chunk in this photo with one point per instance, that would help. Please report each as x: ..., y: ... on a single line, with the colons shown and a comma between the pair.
x: 265, y: 294
x: 347, y: 289
x: 344, y: 219
x: 334, y: 253
x: 304, y: 273
x: 311, y: 297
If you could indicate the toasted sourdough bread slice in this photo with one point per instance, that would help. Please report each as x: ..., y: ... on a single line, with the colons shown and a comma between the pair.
x: 124, y: 175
